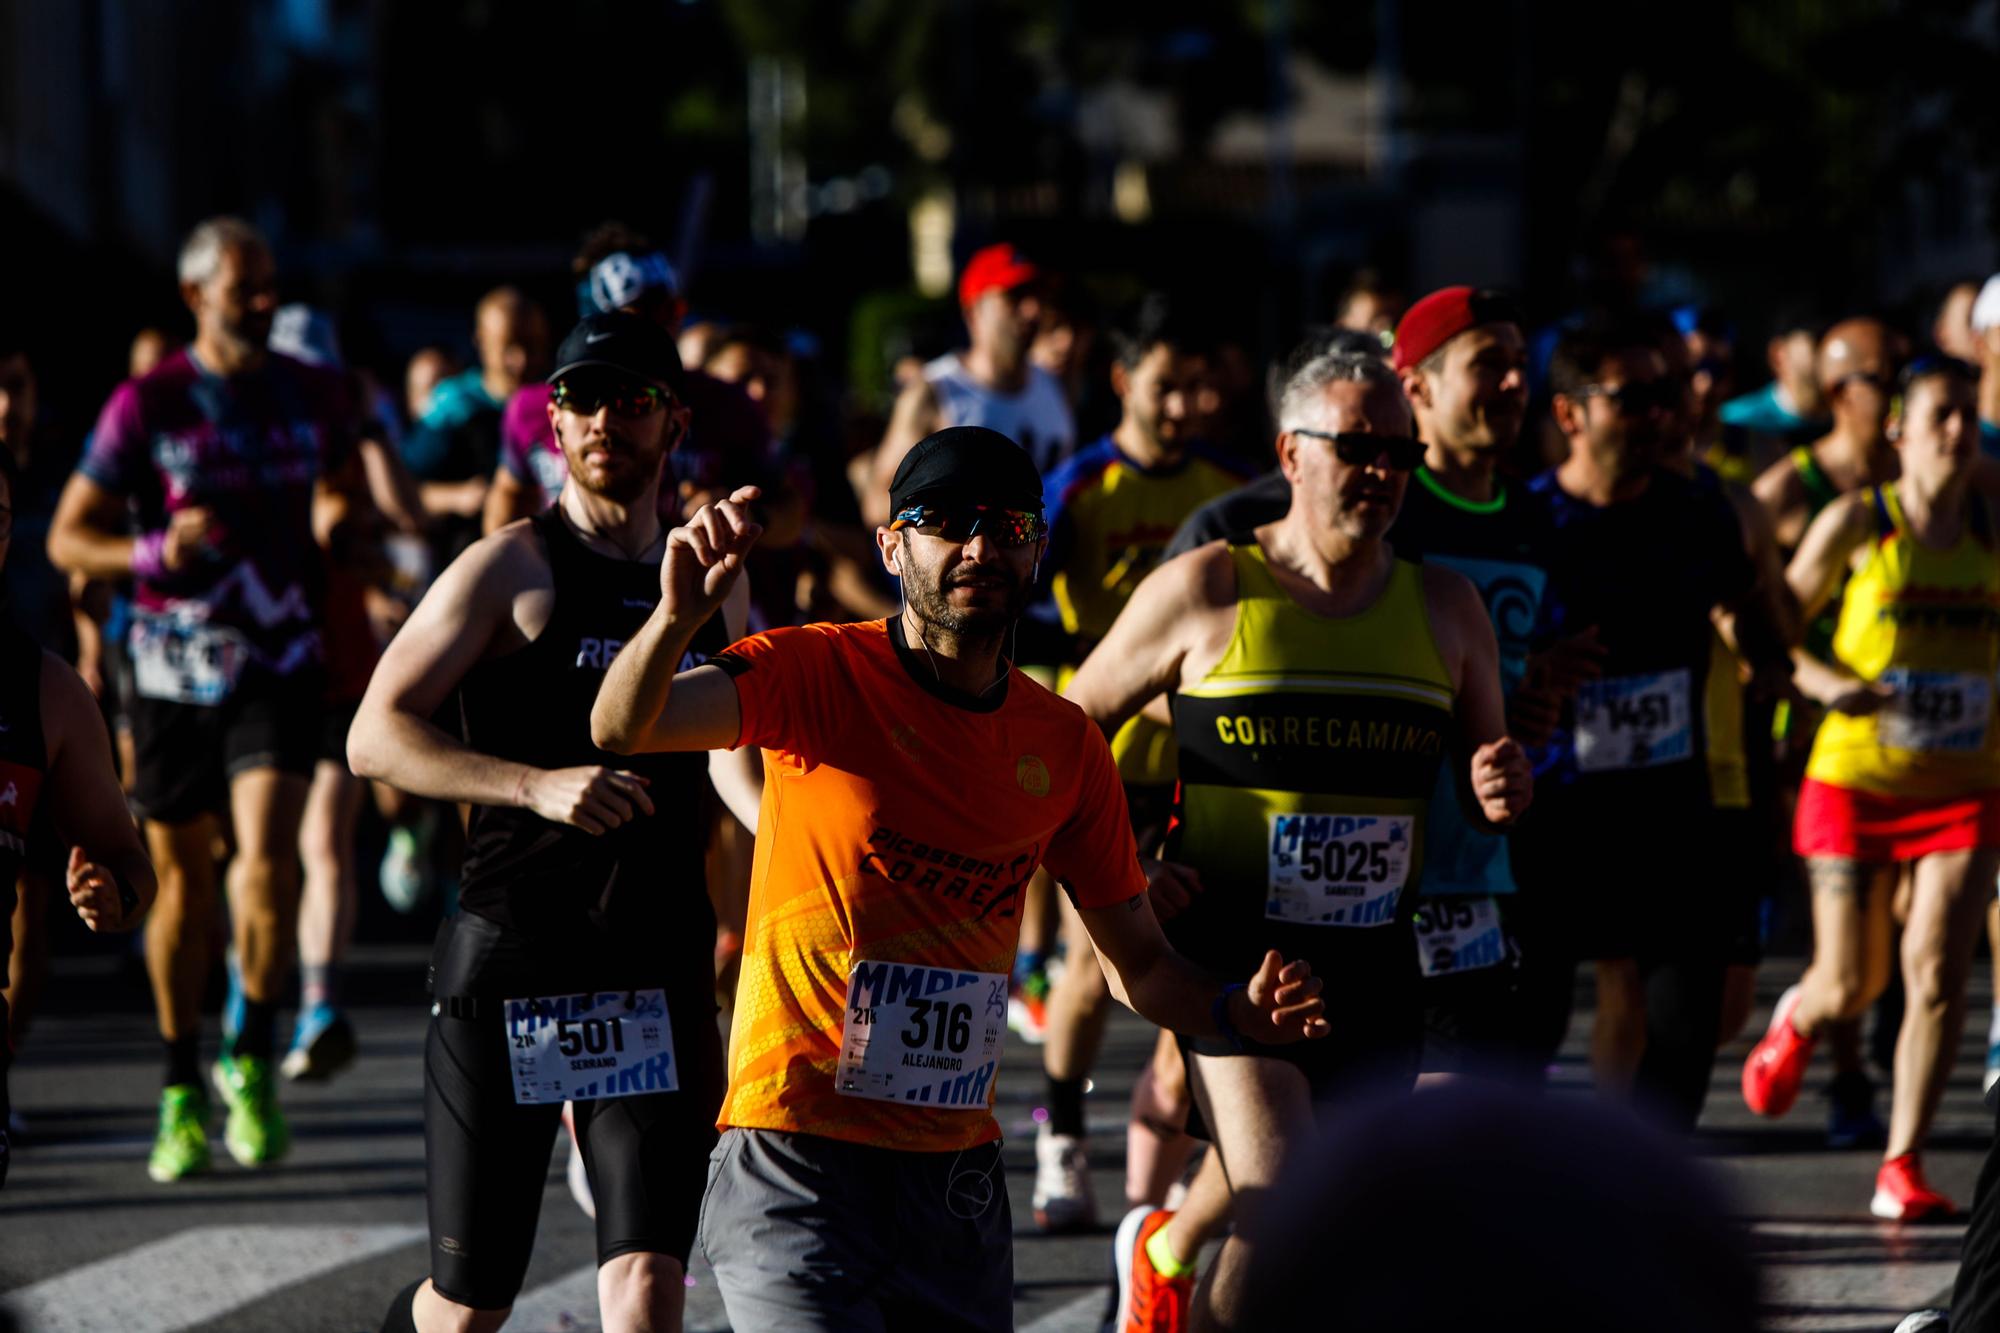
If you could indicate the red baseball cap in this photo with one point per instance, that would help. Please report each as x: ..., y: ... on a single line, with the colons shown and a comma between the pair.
x: 999, y: 267
x: 1442, y: 316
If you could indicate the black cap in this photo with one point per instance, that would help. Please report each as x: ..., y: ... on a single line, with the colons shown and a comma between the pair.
x: 618, y: 341
x: 967, y: 463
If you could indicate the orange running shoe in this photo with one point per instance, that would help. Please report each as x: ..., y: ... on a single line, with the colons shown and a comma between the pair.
x: 1777, y: 1064
x: 1148, y: 1300
x: 1901, y: 1194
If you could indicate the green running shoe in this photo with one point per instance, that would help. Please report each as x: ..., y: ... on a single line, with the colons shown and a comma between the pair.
x: 255, y: 1133
x: 181, y: 1150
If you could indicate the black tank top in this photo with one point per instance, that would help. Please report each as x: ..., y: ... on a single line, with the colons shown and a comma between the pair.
x: 24, y: 754
x: 642, y: 887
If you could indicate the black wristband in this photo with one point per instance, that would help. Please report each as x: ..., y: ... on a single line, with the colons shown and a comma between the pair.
x: 1219, y: 1011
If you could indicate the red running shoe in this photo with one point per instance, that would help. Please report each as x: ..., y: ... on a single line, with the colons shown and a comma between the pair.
x: 1777, y: 1065
x: 1148, y: 1300
x: 1901, y: 1195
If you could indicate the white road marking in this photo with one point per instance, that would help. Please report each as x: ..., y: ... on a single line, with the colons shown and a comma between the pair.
x: 1085, y: 1314
x: 1851, y: 1277
x: 193, y: 1276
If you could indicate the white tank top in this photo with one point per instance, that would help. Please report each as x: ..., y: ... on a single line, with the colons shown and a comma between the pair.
x: 1037, y: 418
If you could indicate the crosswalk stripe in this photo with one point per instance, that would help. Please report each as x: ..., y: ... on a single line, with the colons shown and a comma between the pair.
x: 193, y: 1276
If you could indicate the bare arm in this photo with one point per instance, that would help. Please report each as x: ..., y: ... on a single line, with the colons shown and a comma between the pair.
x: 1781, y: 493
x: 85, y: 535
x: 643, y: 705
x: 914, y: 416
x: 738, y: 774
x: 1279, y: 1004
x: 1141, y: 655
x: 1495, y: 779
x: 110, y: 879
x: 468, y: 612
x: 473, y: 610
x: 507, y: 499
x: 389, y: 485
x: 1826, y: 549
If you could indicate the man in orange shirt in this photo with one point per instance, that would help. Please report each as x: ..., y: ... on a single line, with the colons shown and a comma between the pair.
x: 913, y: 784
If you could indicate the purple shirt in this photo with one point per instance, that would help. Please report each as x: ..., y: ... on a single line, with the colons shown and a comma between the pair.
x: 250, y: 448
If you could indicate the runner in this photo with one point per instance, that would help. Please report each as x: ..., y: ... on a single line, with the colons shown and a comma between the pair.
x: 992, y: 383
x: 1760, y: 426
x: 453, y: 446
x: 1905, y: 768
x: 1463, y: 361
x: 1856, y: 368
x: 578, y: 967
x: 1316, y: 681
x: 1644, y: 558
x: 1113, y: 507
x: 213, y: 460
x: 56, y: 774
x: 914, y: 782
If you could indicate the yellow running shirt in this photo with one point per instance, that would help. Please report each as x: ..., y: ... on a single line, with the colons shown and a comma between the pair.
x: 1925, y: 622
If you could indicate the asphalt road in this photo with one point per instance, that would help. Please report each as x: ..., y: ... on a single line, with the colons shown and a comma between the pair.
x: 322, y: 1240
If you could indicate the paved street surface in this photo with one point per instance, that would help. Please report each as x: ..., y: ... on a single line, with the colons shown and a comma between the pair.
x: 321, y: 1241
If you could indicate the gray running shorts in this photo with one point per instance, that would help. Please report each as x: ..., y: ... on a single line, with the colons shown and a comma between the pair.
x: 815, y: 1235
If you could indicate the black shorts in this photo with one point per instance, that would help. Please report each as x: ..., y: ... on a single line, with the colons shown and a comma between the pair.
x: 187, y: 753
x: 486, y: 1156
x: 333, y: 728
x: 1647, y: 882
x: 1472, y: 1019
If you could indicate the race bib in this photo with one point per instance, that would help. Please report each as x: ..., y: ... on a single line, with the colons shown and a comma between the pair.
x: 1634, y: 721
x: 1338, y: 870
x: 1943, y: 711
x: 187, y: 662
x: 926, y: 1035
x: 1458, y: 935
x: 582, y: 1048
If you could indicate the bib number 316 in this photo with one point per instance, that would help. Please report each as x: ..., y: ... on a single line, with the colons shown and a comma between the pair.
x: 928, y: 1035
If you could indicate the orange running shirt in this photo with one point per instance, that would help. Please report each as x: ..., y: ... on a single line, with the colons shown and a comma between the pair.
x: 900, y: 824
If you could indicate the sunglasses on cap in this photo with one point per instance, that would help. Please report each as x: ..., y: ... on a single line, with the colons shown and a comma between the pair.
x: 624, y: 396
x: 961, y: 523
x: 1638, y: 397
x: 1359, y: 448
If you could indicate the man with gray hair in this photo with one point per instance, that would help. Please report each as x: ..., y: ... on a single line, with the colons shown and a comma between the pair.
x: 1319, y: 687
x: 198, y: 486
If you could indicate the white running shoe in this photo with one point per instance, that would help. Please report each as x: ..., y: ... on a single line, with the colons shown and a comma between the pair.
x: 1062, y: 1199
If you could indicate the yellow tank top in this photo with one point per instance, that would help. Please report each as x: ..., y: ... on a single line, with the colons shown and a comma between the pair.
x: 1310, y: 750
x: 1928, y: 623
x: 1728, y: 757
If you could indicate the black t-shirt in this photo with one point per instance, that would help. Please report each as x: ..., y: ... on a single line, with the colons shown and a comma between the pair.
x: 1646, y: 572
x: 642, y: 883
x: 1265, y: 500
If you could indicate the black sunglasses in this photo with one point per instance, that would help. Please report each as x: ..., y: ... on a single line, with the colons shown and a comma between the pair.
x: 961, y: 523
x: 1359, y: 448
x: 586, y: 394
x: 1636, y: 398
